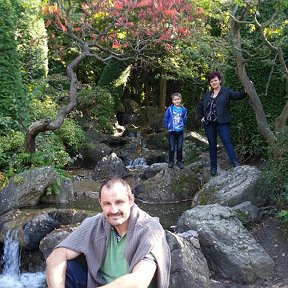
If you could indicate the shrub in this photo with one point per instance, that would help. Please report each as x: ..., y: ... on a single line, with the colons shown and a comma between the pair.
x: 274, y: 178
x: 98, y: 104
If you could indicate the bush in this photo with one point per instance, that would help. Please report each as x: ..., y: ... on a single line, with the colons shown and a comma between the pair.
x: 274, y: 178
x: 98, y: 104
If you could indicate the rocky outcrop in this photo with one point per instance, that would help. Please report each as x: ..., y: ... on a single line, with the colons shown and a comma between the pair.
x: 247, y: 213
x: 231, y: 188
x: 108, y: 167
x: 32, y: 225
x: 167, y: 185
x: 229, y: 248
x: 188, y: 265
x: 26, y: 189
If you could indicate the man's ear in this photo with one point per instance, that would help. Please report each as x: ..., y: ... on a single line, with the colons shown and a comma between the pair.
x: 131, y: 198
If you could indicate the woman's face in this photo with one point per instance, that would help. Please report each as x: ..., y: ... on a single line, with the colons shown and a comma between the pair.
x: 215, y: 83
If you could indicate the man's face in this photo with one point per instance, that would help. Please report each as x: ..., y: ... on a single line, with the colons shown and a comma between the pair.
x: 116, y: 204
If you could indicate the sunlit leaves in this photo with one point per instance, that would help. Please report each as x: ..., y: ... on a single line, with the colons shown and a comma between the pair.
x: 119, y: 24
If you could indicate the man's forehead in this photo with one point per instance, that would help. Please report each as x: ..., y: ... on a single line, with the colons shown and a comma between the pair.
x: 116, y: 187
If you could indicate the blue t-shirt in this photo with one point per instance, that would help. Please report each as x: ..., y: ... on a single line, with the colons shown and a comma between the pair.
x: 177, y: 118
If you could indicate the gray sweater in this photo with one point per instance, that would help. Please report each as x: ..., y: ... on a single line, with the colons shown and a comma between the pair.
x: 144, y: 235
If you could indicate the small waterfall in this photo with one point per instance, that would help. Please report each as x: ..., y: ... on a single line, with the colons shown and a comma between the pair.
x: 137, y: 163
x: 11, y: 277
x: 11, y: 256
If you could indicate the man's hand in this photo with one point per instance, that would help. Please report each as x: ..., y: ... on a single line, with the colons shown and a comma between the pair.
x: 56, y: 264
x: 140, y: 277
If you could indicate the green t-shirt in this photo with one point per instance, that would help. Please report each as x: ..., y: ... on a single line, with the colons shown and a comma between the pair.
x: 115, y: 264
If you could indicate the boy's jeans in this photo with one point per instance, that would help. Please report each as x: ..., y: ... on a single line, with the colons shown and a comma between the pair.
x: 223, y: 130
x: 175, y: 139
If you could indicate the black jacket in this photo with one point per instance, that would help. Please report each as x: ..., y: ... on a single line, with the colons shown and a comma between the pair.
x: 222, y: 104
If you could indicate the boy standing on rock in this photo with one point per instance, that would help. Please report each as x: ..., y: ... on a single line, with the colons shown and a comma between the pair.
x: 174, y: 119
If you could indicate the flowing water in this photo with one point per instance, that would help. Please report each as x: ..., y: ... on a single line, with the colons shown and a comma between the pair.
x: 11, y: 277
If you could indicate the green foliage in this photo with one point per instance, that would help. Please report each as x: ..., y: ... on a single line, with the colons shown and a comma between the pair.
x: 98, y: 104
x: 55, y: 188
x: 114, y: 77
x: 18, y: 180
x: 274, y: 178
x: 71, y: 134
x: 13, y: 103
x: 31, y: 40
x: 283, y: 215
x: 10, y: 146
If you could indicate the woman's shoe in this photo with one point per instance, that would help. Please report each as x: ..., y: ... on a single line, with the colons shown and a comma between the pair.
x: 170, y: 164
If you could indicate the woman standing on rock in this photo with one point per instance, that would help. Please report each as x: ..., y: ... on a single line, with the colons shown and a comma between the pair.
x: 213, y: 112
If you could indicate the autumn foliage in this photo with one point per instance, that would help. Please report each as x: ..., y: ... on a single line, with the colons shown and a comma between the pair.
x: 123, y: 25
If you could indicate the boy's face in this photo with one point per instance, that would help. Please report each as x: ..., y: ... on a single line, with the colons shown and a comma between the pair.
x: 176, y: 100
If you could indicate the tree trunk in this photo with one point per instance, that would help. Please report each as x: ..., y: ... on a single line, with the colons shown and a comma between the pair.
x: 47, y: 125
x: 162, y: 94
x: 249, y: 87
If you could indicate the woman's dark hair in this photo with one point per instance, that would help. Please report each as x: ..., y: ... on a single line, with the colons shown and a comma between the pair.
x: 212, y: 75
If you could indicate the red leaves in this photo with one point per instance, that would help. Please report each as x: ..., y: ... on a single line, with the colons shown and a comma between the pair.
x: 60, y: 25
x: 170, y: 12
x: 120, y: 23
x: 118, y: 6
x: 116, y: 44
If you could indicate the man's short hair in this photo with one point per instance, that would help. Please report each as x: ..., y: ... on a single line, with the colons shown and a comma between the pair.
x: 109, y: 183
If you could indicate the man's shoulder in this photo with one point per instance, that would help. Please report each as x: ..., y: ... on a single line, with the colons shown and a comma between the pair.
x: 148, y: 222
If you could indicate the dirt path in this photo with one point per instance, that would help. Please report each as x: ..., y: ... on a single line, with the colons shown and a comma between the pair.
x: 269, y: 234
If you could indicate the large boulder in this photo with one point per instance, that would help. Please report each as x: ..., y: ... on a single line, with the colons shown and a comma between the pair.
x: 229, y: 248
x: 92, y: 153
x: 51, y: 240
x: 32, y: 225
x: 168, y: 185
x: 65, y: 193
x: 231, y: 188
x: 108, y: 167
x: 26, y: 189
x: 188, y: 265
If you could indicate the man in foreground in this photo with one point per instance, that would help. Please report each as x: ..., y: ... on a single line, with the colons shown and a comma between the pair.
x: 124, y: 247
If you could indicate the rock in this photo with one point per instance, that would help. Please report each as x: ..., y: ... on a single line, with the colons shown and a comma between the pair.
x: 37, y: 228
x: 31, y: 225
x: 26, y: 189
x: 49, y: 242
x: 93, y: 153
x: 247, y: 213
x: 168, y: 185
x: 108, y: 167
x: 64, y: 195
x: 34, y: 224
x: 188, y: 265
x: 231, y: 188
x: 229, y: 248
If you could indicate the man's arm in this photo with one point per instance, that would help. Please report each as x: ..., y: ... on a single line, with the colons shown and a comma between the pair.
x: 56, y: 265
x: 140, y: 277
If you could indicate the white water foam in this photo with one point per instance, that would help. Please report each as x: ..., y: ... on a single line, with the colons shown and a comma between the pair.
x: 11, y: 277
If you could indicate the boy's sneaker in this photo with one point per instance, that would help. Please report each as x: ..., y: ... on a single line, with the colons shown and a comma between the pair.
x: 213, y: 171
x: 170, y: 164
x: 180, y: 165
